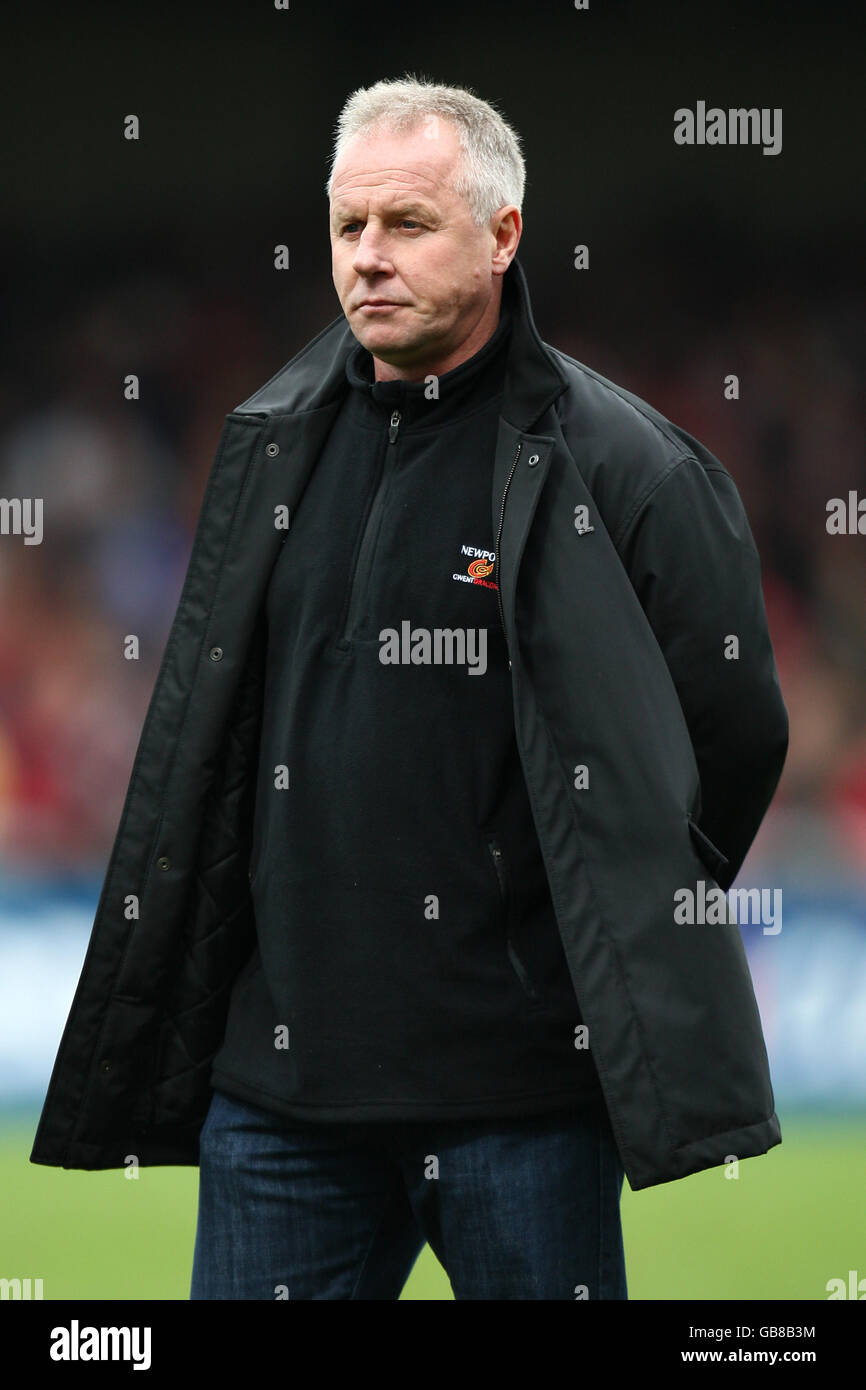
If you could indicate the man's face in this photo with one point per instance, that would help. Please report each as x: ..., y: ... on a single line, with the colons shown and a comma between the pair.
x: 412, y: 270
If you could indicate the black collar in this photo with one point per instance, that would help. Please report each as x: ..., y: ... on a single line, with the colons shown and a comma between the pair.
x: 457, y: 392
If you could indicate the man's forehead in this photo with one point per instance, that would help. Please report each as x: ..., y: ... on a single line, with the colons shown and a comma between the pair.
x: 410, y: 163
x: 393, y: 185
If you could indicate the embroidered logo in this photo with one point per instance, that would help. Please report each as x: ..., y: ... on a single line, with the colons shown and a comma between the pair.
x: 479, y: 568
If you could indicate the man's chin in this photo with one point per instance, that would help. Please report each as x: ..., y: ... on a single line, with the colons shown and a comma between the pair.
x: 391, y: 346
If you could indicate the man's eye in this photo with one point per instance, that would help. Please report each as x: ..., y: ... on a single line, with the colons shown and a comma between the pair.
x: 352, y: 227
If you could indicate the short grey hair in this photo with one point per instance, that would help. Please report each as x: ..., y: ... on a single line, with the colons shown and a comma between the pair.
x: 491, y: 172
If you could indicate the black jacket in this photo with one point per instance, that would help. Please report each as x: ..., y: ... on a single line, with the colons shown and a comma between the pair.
x: 625, y: 561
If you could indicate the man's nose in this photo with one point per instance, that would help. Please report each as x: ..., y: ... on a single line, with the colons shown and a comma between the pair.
x: 370, y: 254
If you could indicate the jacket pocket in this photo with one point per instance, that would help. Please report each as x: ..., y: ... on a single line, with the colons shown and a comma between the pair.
x: 708, y: 853
x: 517, y: 965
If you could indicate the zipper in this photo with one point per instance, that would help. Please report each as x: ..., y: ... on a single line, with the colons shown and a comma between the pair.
x: 516, y: 962
x: 371, y: 530
x: 498, y: 539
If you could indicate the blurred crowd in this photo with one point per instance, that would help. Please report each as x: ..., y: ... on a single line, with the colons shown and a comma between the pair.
x: 122, y: 483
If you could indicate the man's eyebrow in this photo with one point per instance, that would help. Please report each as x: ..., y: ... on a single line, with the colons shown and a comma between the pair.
x: 414, y: 205
x: 400, y: 208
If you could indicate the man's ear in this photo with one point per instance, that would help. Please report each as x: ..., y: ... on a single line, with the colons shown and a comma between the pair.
x: 506, y: 227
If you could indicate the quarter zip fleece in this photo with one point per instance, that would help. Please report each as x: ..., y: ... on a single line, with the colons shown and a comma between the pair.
x: 407, y: 964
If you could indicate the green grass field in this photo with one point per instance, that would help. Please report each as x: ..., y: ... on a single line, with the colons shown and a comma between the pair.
x: 793, y: 1219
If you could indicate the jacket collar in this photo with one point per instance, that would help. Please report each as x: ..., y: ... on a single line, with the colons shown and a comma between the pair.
x: 316, y: 376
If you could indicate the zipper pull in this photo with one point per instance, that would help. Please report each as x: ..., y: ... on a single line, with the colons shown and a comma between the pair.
x: 394, y: 426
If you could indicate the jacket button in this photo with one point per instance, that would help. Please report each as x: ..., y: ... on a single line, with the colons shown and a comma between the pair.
x: 105, y: 1065
x: 163, y: 863
x: 216, y: 653
x: 533, y: 460
x: 272, y: 450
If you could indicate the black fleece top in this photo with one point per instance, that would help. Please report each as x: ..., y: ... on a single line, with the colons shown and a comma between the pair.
x: 408, y: 963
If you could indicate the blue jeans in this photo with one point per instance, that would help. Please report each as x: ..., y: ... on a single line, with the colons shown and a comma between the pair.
x: 525, y: 1208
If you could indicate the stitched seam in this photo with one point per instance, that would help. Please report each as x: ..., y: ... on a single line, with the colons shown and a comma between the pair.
x: 597, y: 380
x: 618, y: 536
x: 683, y: 1148
x: 631, y: 516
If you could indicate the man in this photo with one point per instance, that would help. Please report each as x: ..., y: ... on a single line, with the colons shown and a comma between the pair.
x: 447, y: 722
